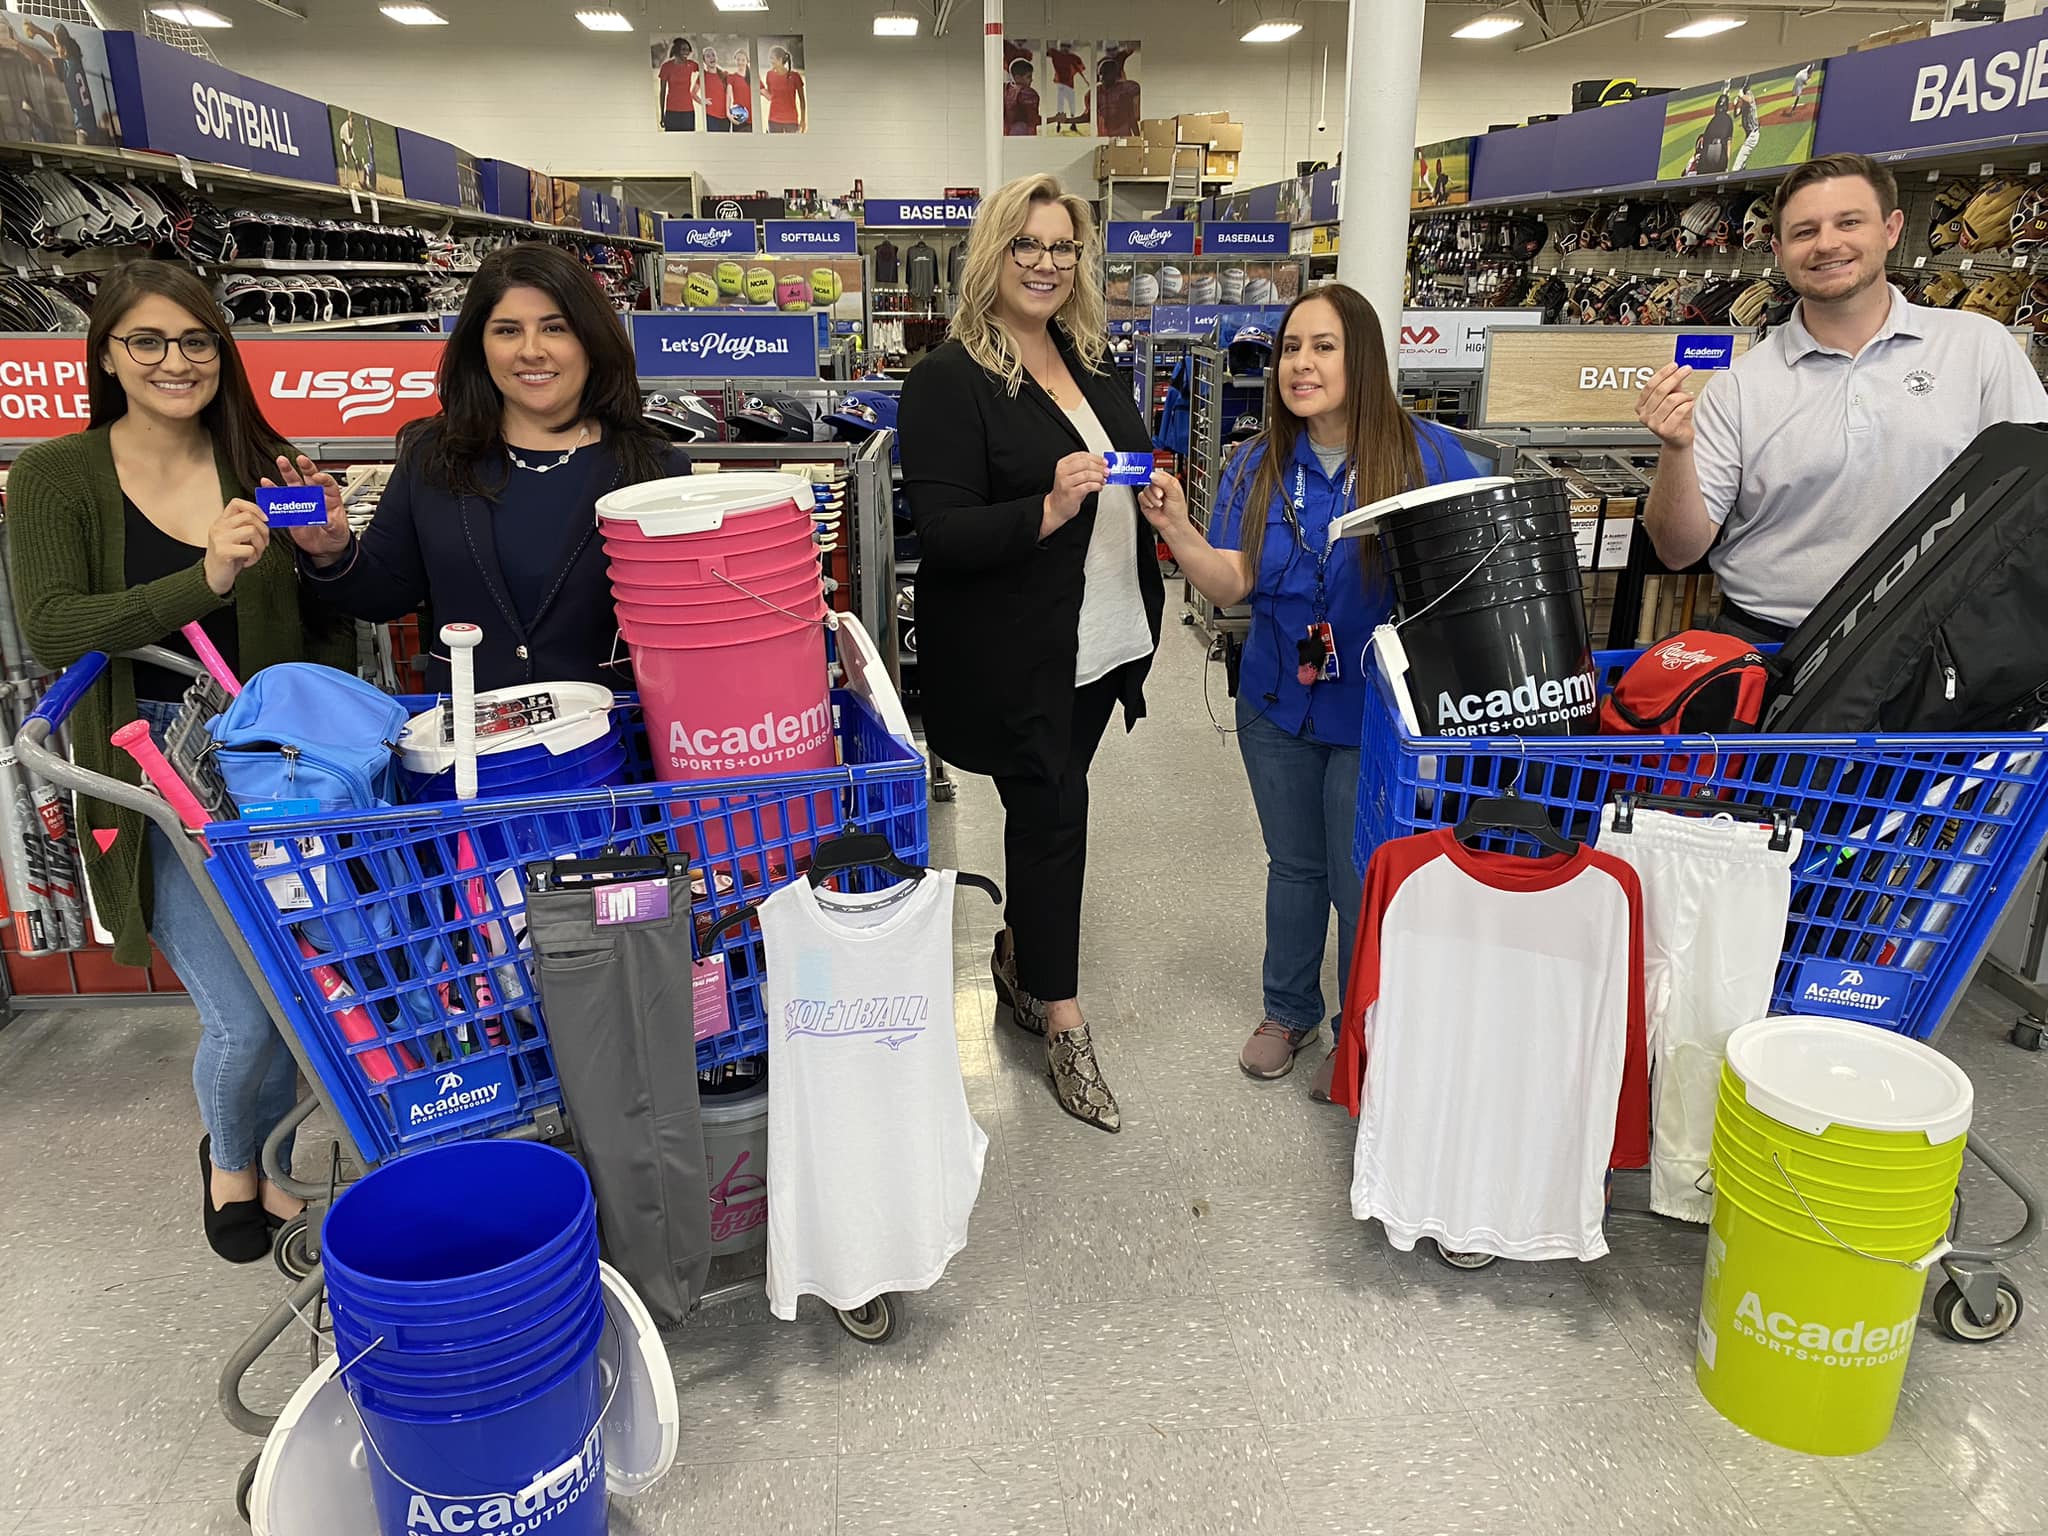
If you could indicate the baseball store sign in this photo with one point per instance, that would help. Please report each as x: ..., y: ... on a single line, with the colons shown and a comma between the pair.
x: 1152, y: 237
x: 721, y: 344
x: 709, y: 237
x: 811, y: 237
x: 1982, y: 83
x: 919, y: 213
x: 311, y: 388
x: 1449, y: 340
x: 1260, y: 239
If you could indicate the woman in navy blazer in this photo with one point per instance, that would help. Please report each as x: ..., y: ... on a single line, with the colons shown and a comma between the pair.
x: 490, y: 516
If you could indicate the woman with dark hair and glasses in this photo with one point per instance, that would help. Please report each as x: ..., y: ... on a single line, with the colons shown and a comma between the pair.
x: 1038, y: 591
x: 119, y: 536
x: 490, y: 517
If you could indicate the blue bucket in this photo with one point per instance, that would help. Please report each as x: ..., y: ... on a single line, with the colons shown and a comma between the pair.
x: 434, y: 1325
x: 497, y: 1428
x: 533, y: 1463
x: 532, y: 771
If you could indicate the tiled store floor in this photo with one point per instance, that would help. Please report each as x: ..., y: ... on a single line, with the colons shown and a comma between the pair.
x: 1176, y: 1330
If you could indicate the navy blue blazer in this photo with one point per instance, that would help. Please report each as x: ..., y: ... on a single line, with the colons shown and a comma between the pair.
x: 434, y: 553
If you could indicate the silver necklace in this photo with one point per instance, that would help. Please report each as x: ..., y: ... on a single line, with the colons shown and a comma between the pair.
x: 567, y: 454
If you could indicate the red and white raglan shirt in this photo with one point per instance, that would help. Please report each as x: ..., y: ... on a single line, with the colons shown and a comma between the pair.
x: 1493, y: 1034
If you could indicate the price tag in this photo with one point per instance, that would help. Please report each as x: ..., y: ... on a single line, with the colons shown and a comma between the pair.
x: 1919, y: 261
x: 376, y: 214
x: 185, y: 173
x: 1934, y: 175
x: 1656, y: 271
x: 2019, y: 263
x: 355, y: 203
x: 2033, y: 167
x: 1968, y: 262
x: 1986, y: 168
x: 1683, y: 274
x: 1612, y: 270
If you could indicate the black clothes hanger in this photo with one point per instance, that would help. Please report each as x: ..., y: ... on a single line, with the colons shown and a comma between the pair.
x: 1777, y: 817
x: 837, y: 855
x: 1509, y: 812
x: 547, y: 874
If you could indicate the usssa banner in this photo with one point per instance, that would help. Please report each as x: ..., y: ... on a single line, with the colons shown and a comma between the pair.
x: 310, y: 387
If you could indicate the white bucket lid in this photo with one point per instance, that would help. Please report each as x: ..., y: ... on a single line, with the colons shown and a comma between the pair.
x: 582, y: 715
x: 1366, y: 519
x: 701, y: 503
x: 1811, y: 1073
x: 866, y: 676
x: 313, y: 1478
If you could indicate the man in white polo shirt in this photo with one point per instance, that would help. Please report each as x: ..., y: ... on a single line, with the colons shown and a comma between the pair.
x: 1796, y: 460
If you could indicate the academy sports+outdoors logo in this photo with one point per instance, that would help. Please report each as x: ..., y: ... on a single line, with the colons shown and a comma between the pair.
x: 455, y: 1096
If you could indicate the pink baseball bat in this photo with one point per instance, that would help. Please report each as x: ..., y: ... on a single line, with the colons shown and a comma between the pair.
x: 134, y: 739
x: 356, y: 1025
x: 210, y: 658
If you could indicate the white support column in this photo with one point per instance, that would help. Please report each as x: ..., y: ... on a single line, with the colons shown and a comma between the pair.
x: 992, y: 96
x: 1382, y: 72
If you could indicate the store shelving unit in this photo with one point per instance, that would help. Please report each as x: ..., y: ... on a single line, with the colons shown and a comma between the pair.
x: 1210, y: 411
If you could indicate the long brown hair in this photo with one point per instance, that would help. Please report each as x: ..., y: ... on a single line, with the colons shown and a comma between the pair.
x: 241, y: 433
x: 1379, y: 437
x: 468, y: 435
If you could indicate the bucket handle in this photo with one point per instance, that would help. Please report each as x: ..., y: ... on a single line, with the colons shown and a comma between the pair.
x: 757, y: 597
x: 1447, y: 591
x: 1919, y: 1266
x: 566, y: 1470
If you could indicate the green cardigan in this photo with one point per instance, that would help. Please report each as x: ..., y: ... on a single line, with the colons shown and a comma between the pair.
x: 67, y: 542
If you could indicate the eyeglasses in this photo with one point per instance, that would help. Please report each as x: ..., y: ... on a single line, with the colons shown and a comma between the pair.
x: 1026, y: 249
x: 148, y: 348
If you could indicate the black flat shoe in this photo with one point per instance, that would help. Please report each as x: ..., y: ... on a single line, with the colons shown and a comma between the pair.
x: 236, y: 1231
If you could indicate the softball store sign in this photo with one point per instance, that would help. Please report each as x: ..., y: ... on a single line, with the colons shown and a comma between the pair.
x: 1151, y: 237
x: 723, y: 344
x: 175, y: 103
x: 1982, y: 83
x: 312, y: 388
x: 919, y: 213
x: 709, y: 237
x: 812, y: 237
x: 1260, y: 239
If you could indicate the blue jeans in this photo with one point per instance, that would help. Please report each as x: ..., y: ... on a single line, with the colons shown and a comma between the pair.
x: 1307, y: 798
x: 242, y: 1074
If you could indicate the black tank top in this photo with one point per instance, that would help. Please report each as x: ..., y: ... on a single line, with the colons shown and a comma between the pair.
x: 151, y: 555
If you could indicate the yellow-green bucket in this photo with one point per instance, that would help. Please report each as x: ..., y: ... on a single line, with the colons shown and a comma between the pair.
x: 1836, y: 1152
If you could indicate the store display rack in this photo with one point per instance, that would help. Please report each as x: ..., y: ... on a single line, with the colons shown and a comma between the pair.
x: 1214, y: 401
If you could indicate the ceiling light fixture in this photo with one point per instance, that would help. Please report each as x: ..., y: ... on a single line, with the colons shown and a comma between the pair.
x: 1488, y: 26
x: 1271, y: 32
x: 740, y: 5
x: 190, y: 16
x: 895, y: 24
x: 604, y: 21
x: 1707, y: 26
x: 414, y: 15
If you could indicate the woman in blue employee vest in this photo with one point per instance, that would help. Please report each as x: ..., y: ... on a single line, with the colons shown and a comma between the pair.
x: 1334, y: 437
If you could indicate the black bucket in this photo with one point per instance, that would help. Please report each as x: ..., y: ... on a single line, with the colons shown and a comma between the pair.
x: 1487, y: 591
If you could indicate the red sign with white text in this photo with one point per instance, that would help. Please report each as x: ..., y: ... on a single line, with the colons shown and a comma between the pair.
x: 312, y: 388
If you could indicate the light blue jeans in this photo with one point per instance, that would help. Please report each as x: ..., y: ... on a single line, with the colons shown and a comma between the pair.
x: 242, y: 1074
x: 1307, y: 798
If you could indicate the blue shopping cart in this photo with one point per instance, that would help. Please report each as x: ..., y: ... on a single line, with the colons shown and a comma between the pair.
x: 1914, y: 846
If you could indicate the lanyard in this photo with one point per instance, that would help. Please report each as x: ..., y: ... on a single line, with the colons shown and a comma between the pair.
x: 1322, y: 604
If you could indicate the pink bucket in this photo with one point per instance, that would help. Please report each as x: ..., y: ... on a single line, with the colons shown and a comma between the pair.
x: 722, y: 604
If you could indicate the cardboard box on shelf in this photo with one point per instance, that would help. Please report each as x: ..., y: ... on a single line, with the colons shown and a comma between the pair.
x: 1132, y: 160
x: 1219, y: 167
x: 1217, y: 130
x: 1912, y: 32
x: 1157, y: 130
x: 1227, y: 138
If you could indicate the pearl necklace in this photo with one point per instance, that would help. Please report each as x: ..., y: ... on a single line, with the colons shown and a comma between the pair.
x: 542, y: 469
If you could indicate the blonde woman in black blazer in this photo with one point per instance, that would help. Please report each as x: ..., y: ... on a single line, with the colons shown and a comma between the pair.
x: 1038, y: 587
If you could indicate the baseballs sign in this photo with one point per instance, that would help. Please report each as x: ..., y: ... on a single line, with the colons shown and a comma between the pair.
x: 311, y: 388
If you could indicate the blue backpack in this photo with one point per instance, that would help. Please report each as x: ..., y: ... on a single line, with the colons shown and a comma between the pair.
x: 300, y: 731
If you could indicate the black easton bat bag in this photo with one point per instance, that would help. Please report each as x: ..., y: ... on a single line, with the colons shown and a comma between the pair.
x: 1943, y: 624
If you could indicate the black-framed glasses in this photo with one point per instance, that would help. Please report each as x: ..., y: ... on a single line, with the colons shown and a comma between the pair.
x: 1026, y: 249
x: 148, y: 348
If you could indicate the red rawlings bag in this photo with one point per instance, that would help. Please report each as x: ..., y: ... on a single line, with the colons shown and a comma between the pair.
x: 1697, y: 682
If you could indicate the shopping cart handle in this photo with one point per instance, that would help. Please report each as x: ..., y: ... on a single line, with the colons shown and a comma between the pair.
x: 65, y: 693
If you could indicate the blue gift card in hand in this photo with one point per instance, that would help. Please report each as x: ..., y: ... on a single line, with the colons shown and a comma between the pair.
x: 1127, y: 468
x: 292, y: 506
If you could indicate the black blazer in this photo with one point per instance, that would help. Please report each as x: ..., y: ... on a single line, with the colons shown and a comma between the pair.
x: 998, y: 612
x: 434, y: 553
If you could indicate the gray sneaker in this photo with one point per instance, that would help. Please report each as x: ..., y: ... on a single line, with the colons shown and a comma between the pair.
x: 1271, y: 1050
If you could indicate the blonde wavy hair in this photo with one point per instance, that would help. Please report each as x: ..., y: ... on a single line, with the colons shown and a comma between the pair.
x: 1085, y: 315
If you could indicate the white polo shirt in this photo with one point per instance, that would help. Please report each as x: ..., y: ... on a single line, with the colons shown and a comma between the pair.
x: 1806, y: 455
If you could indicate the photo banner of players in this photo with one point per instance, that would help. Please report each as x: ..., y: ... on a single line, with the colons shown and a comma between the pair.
x: 722, y: 82
x: 1443, y: 174
x: 1743, y: 123
x: 1049, y: 87
x: 1117, y: 89
x: 61, y: 91
x: 365, y: 154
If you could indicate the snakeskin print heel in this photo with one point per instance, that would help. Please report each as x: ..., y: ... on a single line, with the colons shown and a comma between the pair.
x: 1077, y: 1079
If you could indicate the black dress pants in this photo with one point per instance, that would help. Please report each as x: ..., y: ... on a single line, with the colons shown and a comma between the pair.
x: 1045, y: 851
